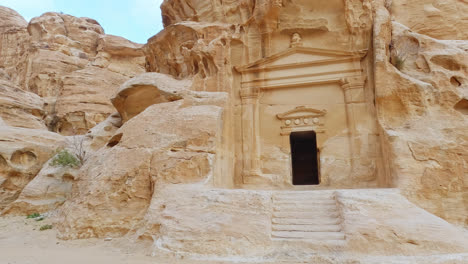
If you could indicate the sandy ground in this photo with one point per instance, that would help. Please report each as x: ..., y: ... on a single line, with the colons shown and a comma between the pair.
x: 21, y: 242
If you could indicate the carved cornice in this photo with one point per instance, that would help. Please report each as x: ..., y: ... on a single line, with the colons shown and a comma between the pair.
x: 308, y: 112
x: 335, y: 56
x: 318, y: 74
x: 301, y: 118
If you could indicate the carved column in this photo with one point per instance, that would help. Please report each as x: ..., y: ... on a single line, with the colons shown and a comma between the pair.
x: 353, y: 88
x: 250, y: 133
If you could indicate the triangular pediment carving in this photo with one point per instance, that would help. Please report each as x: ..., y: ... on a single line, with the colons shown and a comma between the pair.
x: 301, y: 55
x: 301, y: 112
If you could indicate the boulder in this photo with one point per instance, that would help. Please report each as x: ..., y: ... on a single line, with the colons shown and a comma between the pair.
x: 119, y: 46
x: 116, y: 184
x: 22, y: 155
x: 135, y: 95
x: 46, y: 192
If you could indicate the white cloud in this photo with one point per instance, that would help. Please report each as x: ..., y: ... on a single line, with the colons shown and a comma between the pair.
x: 29, y: 8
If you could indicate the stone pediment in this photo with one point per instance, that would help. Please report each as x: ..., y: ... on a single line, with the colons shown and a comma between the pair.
x: 301, y: 112
x: 301, y: 57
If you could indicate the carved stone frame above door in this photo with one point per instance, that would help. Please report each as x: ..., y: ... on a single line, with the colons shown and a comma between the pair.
x: 300, y: 119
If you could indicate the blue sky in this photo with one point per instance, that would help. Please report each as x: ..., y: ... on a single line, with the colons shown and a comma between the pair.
x: 136, y: 20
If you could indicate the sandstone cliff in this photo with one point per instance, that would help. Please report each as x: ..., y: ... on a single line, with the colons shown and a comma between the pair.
x: 422, y: 109
x: 57, y: 73
x: 188, y: 136
x: 70, y: 63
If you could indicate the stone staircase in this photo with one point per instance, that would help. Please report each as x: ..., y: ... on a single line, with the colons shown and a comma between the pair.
x: 306, y: 215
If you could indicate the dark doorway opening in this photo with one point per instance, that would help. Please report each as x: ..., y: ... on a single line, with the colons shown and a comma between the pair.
x: 304, y: 154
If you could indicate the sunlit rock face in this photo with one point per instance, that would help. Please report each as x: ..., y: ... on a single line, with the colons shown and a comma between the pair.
x: 70, y: 63
x: 438, y: 19
x: 422, y: 112
x: 270, y: 130
x: 175, y: 145
x: 135, y: 95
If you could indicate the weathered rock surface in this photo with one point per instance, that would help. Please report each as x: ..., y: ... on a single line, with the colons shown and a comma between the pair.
x: 135, y: 95
x: 10, y: 19
x: 49, y: 71
x: 119, y: 46
x: 226, y: 222
x: 374, y: 222
x: 177, y: 143
x: 70, y: 63
x: 23, y: 153
x: 14, y: 43
x: 383, y: 222
x: 19, y: 108
x: 84, y: 53
x: 100, y: 135
x: 439, y: 19
x: 421, y: 112
x: 190, y: 50
x: 46, y: 192
x: 232, y: 12
x: 76, y: 109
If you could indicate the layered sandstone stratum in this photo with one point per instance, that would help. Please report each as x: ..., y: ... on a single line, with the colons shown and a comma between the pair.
x: 190, y: 140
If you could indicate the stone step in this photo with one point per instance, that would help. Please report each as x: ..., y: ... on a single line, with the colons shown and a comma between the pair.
x: 306, y: 202
x: 337, y: 245
x: 307, y: 228
x: 305, y: 207
x: 302, y: 197
x: 306, y: 215
x: 306, y: 221
x: 308, y: 235
x: 329, y: 192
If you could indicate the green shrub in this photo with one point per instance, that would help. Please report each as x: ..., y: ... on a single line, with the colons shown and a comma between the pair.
x: 398, y: 62
x: 45, y: 227
x: 35, y: 215
x: 65, y: 159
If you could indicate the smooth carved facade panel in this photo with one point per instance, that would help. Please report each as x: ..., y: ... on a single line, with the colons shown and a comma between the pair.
x: 279, y: 101
x: 274, y: 132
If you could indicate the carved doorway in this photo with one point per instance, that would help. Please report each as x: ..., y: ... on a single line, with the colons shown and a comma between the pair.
x: 305, y: 158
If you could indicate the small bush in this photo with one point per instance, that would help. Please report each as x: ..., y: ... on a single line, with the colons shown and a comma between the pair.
x: 35, y: 215
x: 65, y: 159
x: 45, y: 227
x: 398, y: 62
x: 402, y: 48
